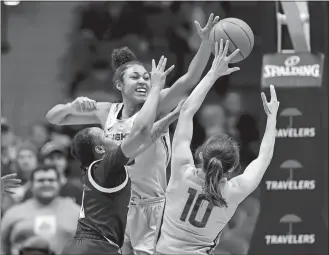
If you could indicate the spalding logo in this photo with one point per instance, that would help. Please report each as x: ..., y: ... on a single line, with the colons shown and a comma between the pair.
x: 292, y: 61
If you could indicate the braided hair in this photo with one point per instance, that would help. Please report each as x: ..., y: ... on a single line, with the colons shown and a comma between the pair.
x: 82, y: 149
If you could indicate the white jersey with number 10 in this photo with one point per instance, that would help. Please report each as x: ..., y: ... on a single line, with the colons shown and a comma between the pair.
x: 190, y: 223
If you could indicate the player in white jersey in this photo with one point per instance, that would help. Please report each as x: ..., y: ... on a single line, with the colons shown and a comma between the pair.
x: 200, y: 200
x: 148, y: 173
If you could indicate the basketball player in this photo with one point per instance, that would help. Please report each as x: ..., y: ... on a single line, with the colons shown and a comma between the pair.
x: 199, y: 199
x: 148, y: 171
x: 107, y: 187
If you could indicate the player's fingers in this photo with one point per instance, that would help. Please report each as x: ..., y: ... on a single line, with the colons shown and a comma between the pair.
x: 216, y: 19
x: 160, y: 63
x: 153, y: 65
x: 233, y: 69
x: 230, y: 57
x: 168, y: 71
x: 9, y: 176
x: 81, y: 102
x: 198, y: 27
x: 9, y: 186
x: 94, y: 103
x: 226, y: 48
x: 221, y: 47
x: 266, y: 109
x: 216, y: 49
x: 14, y: 181
x: 273, y: 93
x: 163, y: 66
x: 211, y: 17
x: 263, y: 96
x: 86, y: 103
x: 9, y: 192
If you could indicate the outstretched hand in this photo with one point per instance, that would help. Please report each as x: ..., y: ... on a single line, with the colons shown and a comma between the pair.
x: 220, y: 63
x: 204, y: 33
x: 271, y: 108
x: 9, y: 181
x: 158, y: 73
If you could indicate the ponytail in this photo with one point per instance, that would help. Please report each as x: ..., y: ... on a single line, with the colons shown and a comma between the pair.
x: 214, y: 173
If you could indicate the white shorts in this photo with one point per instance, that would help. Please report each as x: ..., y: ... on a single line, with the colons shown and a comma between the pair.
x: 142, y: 220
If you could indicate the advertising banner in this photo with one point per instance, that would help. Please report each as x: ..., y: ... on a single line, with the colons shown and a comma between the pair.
x: 292, y: 190
x: 292, y: 70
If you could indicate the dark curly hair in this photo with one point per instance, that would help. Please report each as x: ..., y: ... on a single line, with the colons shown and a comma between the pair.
x: 122, y: 59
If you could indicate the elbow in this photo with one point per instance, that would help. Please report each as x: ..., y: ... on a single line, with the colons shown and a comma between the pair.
x: 50, y: 118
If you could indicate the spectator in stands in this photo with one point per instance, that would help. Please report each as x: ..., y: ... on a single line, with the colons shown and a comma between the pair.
x: 39, y: 134
x: 9, y: 143
x: 26, y: 162
x: 232, y: 104
x: 45, y: 214
x: 212, y: 118
x: 56, y: 155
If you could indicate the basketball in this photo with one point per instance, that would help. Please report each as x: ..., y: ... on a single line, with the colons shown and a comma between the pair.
x: 238, y: 33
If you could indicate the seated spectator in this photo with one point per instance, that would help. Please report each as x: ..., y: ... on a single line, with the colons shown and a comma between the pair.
x: 212, y: 118
x: 9, y: 143
x: 45, y: 215
x: 39, y: 134
x: 54, y: 154
x: 26, y: 162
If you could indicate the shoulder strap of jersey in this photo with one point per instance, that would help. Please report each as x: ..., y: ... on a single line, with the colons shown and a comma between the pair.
x: 102, y: 189
x: 113, y: 112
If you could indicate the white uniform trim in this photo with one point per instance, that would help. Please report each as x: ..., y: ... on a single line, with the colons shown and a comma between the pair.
x: 102, y: 189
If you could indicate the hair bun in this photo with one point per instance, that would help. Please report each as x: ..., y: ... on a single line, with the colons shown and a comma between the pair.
x: 121, y: 56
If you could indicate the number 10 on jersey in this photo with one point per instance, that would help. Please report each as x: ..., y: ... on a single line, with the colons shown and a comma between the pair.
x: 195, y: 204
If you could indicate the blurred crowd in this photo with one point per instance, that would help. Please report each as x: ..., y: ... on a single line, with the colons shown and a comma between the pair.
x: 51, y: 177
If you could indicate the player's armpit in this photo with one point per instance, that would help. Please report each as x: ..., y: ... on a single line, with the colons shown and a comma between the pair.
x: 243, y: 185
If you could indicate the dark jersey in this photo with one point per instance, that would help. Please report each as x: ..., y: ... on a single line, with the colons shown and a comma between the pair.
x: 105, y: 200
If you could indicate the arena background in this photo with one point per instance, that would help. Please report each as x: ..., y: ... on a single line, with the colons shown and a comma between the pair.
x: 52, y: 52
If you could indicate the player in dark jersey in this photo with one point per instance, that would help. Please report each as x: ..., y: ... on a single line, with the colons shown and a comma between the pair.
x: 107, y: 186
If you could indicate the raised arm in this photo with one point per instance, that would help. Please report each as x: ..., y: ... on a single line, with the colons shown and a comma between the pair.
x: 247, y: 182
x: 146, y: 116
x: 158, y: 129
x: 81, y: 111
x: 184, y: 130
x: 170, y: 97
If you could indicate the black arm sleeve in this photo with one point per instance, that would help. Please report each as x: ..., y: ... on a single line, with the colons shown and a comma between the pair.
x: 111, y: 171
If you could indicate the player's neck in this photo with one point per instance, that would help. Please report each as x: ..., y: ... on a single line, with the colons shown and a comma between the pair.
x: 129, y: 109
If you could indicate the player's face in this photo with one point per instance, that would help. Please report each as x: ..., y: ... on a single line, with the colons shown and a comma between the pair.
x: 103, y: 142
x: 136, y: 84
x: 45, y: 184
